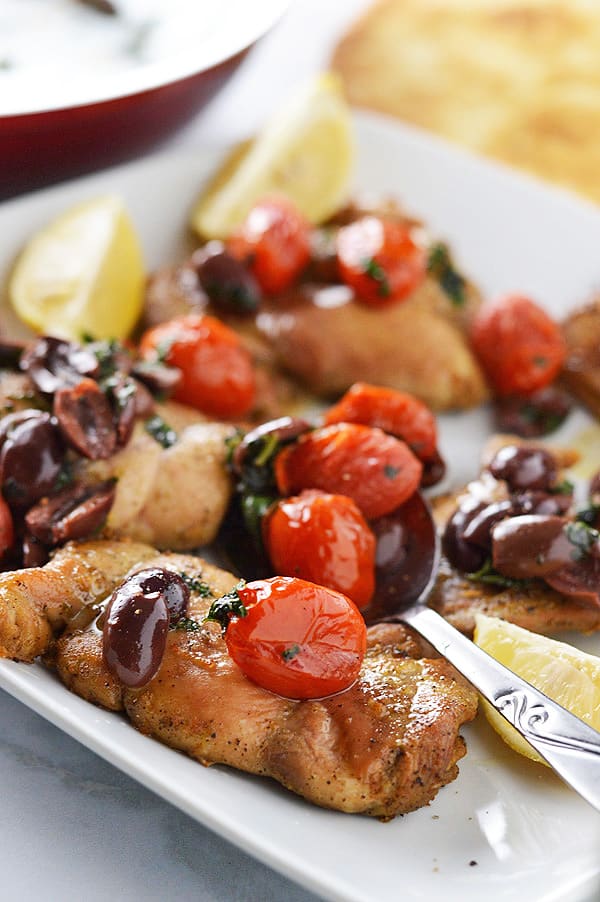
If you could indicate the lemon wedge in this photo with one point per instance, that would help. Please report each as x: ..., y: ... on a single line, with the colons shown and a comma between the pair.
x: 305, y: 152
x: 565, y: 674
x: 82, y: 273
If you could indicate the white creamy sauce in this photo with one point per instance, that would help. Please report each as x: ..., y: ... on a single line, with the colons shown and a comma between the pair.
x: 53, y: 49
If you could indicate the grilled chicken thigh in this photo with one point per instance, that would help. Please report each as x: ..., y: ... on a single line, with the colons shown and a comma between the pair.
x: 383, y: 747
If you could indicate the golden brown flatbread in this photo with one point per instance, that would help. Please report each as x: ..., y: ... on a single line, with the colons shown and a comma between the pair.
x: 518, y: 80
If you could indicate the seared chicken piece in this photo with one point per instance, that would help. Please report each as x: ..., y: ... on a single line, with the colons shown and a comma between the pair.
x: 581, y: 372
x: 533, y: 605
x: 171, y: 497
x: 328, y: 341
x: 383, y: 747
x: 37, y: 603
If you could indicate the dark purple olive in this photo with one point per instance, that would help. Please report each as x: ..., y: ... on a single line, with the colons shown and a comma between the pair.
x: 10, y: 354
x: 524, y: 468
x: 35, y: 553
x: 122, y: 394
x: 31, y: 460
x: 404, y: 558
x: 478, y: 530
x: 154, y: 581
x: 11, y: 420
x: 229, y: 284
x: 74, y: 513
x: 595, y: 488
x: 281, y: 430
x: 134, y: 636
x: 580, y: 581
x: 85, y: 419
x: 533, y: 416
x: 532, y: 546
x: 463, y: 555
x: 434, y: 470
x: 53, y: 364
x: 542, y: 503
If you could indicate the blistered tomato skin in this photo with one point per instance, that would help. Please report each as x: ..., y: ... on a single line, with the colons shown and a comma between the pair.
x: 379, y: 472
x: 379, y: 260
x: 518, y: 344
x: 298, y: 639
x: 396, y: 412
x: 217, y: 371
x: 274, y: 240
x: 325, y: 539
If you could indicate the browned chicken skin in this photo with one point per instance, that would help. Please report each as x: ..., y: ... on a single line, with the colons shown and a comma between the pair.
x: 383, y: 747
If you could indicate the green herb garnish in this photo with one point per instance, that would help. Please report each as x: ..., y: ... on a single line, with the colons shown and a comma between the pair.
x: 65, y: 476
x: 491, y: 577
x: 582, y: 537
x: 197, y: 585
x: 160, y: 431
x: 390, y: 471
x: 375, y: 271
x: 441, y: 267
x: 590, y: 515
x: 565, y: 487
x: 227, y: 606
x: 185, y: 624
x: 288, y: 654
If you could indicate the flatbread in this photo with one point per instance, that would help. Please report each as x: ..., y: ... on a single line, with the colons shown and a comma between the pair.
x: 519, y: 81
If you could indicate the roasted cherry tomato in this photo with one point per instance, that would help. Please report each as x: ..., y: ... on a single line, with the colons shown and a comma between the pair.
x: 379, y: 260
x: 325, y: 539
x: 297, y: 639
x: 7, y: 532
x: 376, y: 470
x: 518, y: 344
x: 395, y: 412
x: 217, y: 371
x: 274, y: 240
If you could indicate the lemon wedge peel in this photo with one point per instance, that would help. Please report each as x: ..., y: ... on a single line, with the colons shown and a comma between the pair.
x: 305, y: 152
x: 565, y: 674
x: 83, y: 273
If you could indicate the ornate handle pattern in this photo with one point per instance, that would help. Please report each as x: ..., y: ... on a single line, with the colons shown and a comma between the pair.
x: 530, y: 716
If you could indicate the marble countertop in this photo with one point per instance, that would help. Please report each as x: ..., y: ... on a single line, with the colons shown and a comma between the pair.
x: 74, y: 827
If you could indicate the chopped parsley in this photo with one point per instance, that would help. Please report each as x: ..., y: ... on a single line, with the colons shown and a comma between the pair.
x: 375, y: 271
x: 197, y: 585
x: 160, y: 431
x: 288, y: 654
x: 65, y: 476
x: 390, y: 471
x: 491, y: 577
x: 227, y: 606
x: 565, y: 487
x: 582, y: 537
x: 590, y: 515
x: 187, y: 625
x: 441, y: 267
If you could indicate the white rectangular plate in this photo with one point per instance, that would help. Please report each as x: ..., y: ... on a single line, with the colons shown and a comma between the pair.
x: 506, y: 829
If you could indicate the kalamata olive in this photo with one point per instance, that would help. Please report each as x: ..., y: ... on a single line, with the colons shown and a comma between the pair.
x: 580, y: 581
x: 74, y: 513
x: 121, y: 392
x: 434, y: 470
x: 478, y: 529
x: 595, y: 488
x: 281, y: 430
x: 162, y: 380
x: 533, y: 416
x: 404, y: 557
x: 85, y: 419
x: 31, y: 460
x: 35, y: 553
x: 134, y: 636
x: 53, y: 364
x: 532, y: 546
x: 229, y: 284
x: 160, y: 581
x: 524, y: 468
x: 11, y: 420
x: 10, y: 354
x: 463, y: 555
x: 542, y: 503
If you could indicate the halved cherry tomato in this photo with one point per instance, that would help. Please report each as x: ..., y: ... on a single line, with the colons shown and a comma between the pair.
x: 297, y: 639
x: 7, y: 531
x: 518, y: 344
x: 379, y: 260
x: 274, y: 240
x: 395, y: 412
x: 217, y: 372
x: 325, y: 539
x: 376, y: 470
